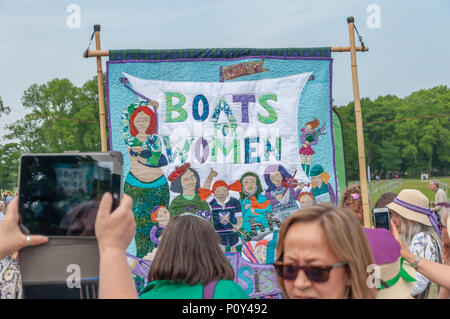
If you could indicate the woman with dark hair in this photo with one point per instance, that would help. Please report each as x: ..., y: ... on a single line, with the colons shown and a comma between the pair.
x: 385, y: 199
x: 186, y: 181
x: 189, y: 264
x: 145, y: 181
x: 281, y: 193
x: 255, y: 206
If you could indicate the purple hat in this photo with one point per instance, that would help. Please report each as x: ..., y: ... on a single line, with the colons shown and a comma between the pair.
x: 397, y: 278
x: 385, y: 248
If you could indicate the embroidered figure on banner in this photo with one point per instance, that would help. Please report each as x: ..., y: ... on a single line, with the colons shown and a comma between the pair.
x: 161, y: 217
x: 186, y: 182
x: 305, y: 199
x: 309, y: 137
x: 255, y: 206
x: 226, y: 211
x: 322, y: 190
x: 145, y: 181
x: 283, y: 190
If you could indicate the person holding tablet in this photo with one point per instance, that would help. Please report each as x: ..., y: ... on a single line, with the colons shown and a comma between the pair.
x: 114, y: 232
x: 12, y: 238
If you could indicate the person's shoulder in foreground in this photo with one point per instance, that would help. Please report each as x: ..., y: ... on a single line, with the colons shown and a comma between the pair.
x: 164, y: 289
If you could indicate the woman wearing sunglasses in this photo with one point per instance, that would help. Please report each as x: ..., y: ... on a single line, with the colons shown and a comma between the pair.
x: 322, y: 252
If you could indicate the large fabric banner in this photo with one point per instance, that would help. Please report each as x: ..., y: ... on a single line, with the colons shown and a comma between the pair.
x: 241, y: 140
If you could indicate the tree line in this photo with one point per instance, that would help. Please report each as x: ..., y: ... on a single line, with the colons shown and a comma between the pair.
x: 406, y: 135
x: 62, y: 117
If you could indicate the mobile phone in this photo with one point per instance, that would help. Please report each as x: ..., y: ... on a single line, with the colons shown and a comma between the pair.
x: 381, y: 218
x: 59, y: 194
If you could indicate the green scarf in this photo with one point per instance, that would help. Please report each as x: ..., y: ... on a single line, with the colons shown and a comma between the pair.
x: 401, y: 274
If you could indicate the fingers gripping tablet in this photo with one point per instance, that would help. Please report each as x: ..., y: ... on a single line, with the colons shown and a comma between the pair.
x: 59, y: 194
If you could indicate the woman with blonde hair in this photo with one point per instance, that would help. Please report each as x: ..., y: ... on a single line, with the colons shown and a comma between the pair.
x: 330, y: 248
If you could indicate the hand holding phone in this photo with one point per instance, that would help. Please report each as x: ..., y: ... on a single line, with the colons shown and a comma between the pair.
x: 381, y: 217
x: 115, y: 231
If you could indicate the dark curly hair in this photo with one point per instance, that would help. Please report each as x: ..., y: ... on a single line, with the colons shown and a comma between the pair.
x: 385, y: 199
x: 348, y: 199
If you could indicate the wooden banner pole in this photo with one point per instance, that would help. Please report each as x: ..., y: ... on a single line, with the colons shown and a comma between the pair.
x: 359, y: 125
x: 101, y: 99
x: 347, y: 49
x: 97, y: 53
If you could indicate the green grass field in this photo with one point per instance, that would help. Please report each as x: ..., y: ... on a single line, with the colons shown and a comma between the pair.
x: 376, y: 189
x: 383, y: 186
x: 423, y: 186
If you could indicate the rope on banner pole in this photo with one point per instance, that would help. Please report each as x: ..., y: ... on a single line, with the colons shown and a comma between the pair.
x: 86, y: 52
x: 360, y: 39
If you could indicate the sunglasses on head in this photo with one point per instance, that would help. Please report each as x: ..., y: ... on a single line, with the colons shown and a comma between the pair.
x: 289, y: 271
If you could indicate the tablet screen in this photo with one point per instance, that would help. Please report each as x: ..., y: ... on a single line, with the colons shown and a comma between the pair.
x: 59, y: 195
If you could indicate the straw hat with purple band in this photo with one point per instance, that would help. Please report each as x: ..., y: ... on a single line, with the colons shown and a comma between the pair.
x: 397, y: 277
x: 412, y: 204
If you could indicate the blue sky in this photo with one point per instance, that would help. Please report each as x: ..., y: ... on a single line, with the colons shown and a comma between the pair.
x: 407, y: 53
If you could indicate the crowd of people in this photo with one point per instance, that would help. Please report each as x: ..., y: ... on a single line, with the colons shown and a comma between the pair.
x: 323, y: 251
